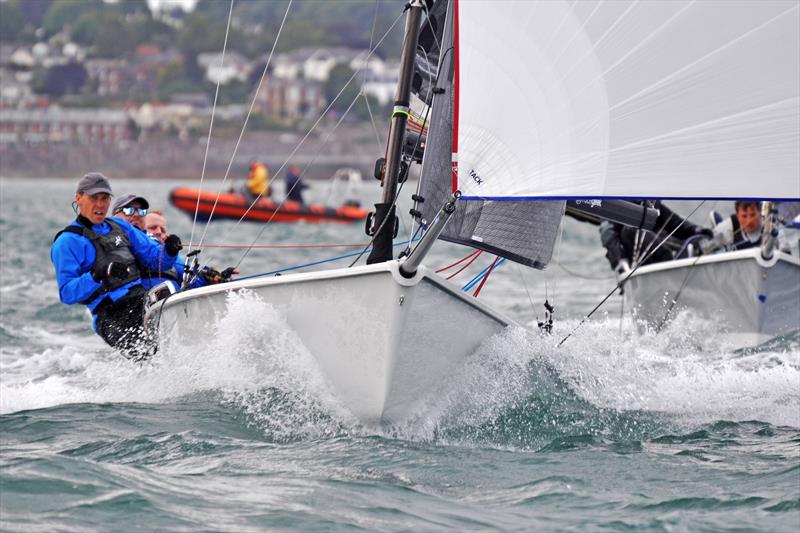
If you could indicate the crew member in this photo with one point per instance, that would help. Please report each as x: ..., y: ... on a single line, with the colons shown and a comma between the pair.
x: 258, y: 180
x: 132, y: 209
x: 155, y: 223
x: 742, y: 229
x: 97, y: 260
x: 621, y: 246
x: 294, y: 185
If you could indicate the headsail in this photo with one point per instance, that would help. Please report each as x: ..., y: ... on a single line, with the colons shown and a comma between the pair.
x: 524, y: 232
x: 656, y: 99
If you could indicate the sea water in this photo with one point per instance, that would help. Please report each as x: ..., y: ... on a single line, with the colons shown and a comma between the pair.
x: 619, y: 428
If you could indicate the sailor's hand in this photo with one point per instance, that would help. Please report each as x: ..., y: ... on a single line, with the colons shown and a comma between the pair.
x: 112, y: 270
x: 173, y: 245
x: 227, y: 273
x: 622, y: 268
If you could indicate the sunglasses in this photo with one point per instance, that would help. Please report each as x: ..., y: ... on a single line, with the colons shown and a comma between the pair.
x: 129, y: 211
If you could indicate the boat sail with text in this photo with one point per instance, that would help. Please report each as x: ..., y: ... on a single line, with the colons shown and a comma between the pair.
x: 531, y: 104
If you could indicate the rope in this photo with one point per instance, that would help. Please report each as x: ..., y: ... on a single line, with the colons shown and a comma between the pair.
x: 460, y: 270
x: 281, y: 245
x: 478, y: 290
x: 584, y: 276
x: 211, y: 125
x: 246, y: 119
x: 307, y: 264
x: 448, y: 267
x: 635, y: 268
x: 477, y: 278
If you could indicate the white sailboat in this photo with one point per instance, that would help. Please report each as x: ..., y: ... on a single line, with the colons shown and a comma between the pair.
x: 532, y: 101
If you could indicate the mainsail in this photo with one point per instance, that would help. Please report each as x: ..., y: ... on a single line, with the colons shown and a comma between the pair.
x: 655, y: 99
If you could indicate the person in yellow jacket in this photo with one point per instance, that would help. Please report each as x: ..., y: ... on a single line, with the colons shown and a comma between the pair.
x: 258, y: 180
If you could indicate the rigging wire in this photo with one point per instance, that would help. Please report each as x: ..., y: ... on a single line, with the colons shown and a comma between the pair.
x: 313, y: 127
x: 211, y: 124
x: 627, y: 277
x: 366, y: 100
x: 316, y: 156
x: 689, y: 272
x: 246, y: 119
x: 525, y: 285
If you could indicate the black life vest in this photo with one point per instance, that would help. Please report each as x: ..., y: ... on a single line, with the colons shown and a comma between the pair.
x: 740, y: 242
x: 114, y: 246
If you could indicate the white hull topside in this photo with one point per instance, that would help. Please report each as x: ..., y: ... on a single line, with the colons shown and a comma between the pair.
x: 385, y: 344
x: 753, y: 299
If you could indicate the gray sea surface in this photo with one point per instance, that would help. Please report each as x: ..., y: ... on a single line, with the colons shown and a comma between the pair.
x: 618, y: 429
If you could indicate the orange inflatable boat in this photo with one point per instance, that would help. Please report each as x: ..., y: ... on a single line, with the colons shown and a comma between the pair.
x: 233, y: 205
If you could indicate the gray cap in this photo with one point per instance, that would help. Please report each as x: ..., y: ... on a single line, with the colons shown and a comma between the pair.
x: 127, y: 199
x: 93, y: 183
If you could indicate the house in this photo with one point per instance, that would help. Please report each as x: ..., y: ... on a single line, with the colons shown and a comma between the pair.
x: 222, y: 70
x: 110, y: 77
x: 290, y: 99
x: 54, y: 124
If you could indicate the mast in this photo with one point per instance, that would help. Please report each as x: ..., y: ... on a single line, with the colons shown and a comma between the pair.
x: 384, y: 219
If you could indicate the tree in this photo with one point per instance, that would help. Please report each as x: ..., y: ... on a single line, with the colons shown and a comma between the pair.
x: 337, y: 79
x: 60, y: 80
x: 173, y: 80
x: 67, y: 12
x: 114, y: 37
x: 12, y: 21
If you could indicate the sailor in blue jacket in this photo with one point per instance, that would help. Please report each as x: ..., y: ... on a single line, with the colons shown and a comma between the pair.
x: 95, y: 260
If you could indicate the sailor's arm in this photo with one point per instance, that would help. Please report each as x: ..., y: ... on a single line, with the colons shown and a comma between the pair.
x: 72, y: 260
x: 150, y: 252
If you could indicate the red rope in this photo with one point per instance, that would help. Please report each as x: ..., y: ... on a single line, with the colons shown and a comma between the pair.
x: 281, y: 245
x: 478, y: 290
x: 460, y: 270
x: 457, y: 262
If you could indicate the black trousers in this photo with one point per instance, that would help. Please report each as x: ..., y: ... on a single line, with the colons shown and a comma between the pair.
x: 121, y: 325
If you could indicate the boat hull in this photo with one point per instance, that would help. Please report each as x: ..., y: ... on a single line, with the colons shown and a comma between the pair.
x: 384, y: 343
x: 753, y: 299
x: 235, y: 206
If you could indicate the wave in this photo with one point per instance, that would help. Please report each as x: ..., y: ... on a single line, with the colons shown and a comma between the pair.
x: 519, y: 390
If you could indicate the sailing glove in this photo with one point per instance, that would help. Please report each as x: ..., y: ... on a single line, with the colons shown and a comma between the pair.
x: 173, y: 245
x: 104, y: 271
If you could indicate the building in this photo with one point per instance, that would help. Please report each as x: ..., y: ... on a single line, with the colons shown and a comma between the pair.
x: 54, y: 124
x: 290, y: 99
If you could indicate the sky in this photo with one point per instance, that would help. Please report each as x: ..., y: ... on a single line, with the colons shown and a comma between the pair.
x: 156, y: 5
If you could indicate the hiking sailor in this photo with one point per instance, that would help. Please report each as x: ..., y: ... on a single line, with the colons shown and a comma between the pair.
x: 155, y: 224
x: 131, y: 209
x: 624, y: 245
x: 96, y: 263
x: 742, y: 229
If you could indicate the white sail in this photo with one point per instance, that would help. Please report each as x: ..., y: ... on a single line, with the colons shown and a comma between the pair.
x: 651, y: 99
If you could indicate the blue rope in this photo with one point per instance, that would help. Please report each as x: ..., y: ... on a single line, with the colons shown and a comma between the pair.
x: 475, y: 280
x: 313, y: 263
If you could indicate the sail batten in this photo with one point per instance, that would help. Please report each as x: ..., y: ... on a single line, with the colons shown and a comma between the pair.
x: 657, y: 99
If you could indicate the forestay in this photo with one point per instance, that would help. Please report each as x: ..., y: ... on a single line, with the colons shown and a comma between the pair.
x: 652, y: 99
